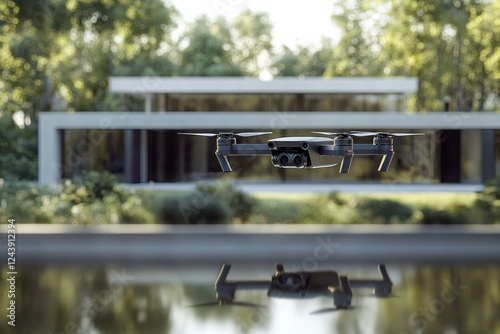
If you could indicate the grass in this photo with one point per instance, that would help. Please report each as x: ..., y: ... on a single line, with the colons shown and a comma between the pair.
x: 344, y: 208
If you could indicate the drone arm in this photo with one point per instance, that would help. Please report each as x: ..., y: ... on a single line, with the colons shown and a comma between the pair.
x: 245, y: 150
x: 251, y: 285
x: 223, y: 151
x: 386, y: 151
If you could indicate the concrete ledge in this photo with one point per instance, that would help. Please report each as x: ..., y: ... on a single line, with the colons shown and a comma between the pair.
x: 163, y: 244
x: 315, y: 187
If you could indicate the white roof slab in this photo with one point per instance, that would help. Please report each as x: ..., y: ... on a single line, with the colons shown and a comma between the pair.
x: 242, y: 85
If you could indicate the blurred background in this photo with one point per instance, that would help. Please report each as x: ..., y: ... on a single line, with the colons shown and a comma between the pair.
x: 70, y: 56
x: 74, y: 71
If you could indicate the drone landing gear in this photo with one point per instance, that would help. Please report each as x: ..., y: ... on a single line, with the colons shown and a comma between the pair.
x: 342, y: 297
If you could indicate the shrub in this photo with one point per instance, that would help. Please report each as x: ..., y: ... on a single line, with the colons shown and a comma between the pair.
x: 94, y: 200
x: 29, y: 203
x: 276, y: 211
x: 134, y: 212
x: 328, y: 209
x: 383, y: 210
x: 487, y: 203
x: 194, y: 208
x: 18, y: 167
x: 239, y: 204
x: 431, y: 216
x: 97, y: 185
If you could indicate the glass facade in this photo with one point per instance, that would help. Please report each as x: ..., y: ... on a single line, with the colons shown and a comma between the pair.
x: 173, y: 158
x: 282, y: 102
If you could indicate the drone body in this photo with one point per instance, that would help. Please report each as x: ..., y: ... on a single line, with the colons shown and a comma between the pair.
x: 300, y: 285
x: 307, y: 152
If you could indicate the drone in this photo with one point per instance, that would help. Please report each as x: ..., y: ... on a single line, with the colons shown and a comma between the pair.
x: 300, y: 285
x: 307, y: 152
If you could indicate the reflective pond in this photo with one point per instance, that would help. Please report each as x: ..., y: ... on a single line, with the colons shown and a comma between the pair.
x: 427, y: 299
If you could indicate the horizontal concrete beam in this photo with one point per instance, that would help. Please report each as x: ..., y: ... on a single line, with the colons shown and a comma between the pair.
x: 242, y: 85
x: 162, y: 244
x: 268, y: 120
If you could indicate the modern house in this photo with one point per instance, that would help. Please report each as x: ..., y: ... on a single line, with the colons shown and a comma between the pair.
x: 144, y: 146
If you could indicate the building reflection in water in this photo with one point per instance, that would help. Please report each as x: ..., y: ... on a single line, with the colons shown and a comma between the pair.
x: 430, y: 299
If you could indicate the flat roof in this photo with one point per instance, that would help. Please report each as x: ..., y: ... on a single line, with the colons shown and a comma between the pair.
x: 244, y: 85
x: 324, y: 121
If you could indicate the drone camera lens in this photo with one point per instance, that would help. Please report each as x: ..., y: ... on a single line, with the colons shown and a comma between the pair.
x: 298, y: 160
x: 270, y: 144
x: 305, y: 145
x: 283, y: 159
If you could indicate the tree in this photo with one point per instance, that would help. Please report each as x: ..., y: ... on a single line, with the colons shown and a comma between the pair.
x: 67, y: 49
x: 253, y: 41
x: 206, y: 54
x: 484, y: 30
x: 438, y: 42
x: 288, y: 64
x: 358, y: 50
x: 304, y: 61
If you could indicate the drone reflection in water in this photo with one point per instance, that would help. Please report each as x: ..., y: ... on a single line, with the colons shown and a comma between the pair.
x: 430, y: 299
x: 300, y: 285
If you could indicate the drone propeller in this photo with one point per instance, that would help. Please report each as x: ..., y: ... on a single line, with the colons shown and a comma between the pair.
x: 333, y: 309
x: 209, y: 134
x: 226, y: 303
x: 251, y: 134
x: 331, y: 133
x: 383, y: 134
x: 216, y: 303
x: 198, y: 134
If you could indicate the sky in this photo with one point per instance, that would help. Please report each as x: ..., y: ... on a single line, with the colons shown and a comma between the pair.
x: 294, y: 22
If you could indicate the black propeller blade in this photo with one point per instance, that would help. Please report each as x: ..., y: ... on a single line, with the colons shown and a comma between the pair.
x: 332, y: 309
x: 205, y: 304
x: 226, y: 303
x: 209, y: 134
x: 384, y: 134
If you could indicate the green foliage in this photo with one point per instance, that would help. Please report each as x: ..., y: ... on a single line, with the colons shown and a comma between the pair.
x: 90, y: 187
x: 277, y: 211
x: 95, y: 200
x: 487, y: 203
x: 451, y: 46
x: 134, y: 211
x: 209, y: 203
x: 205, y: 54
x: 194, y: 208
x: 383, y: 211
x: 17, y: 158
x: 13, y: 167
x: 354, y: 55
x: 239, y: 204
x: 435, y: 42
x: 432, y: 216
x: 142, y: 66
x: 288, y: 64
x: 252, y: 40
x: 58, y: 54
